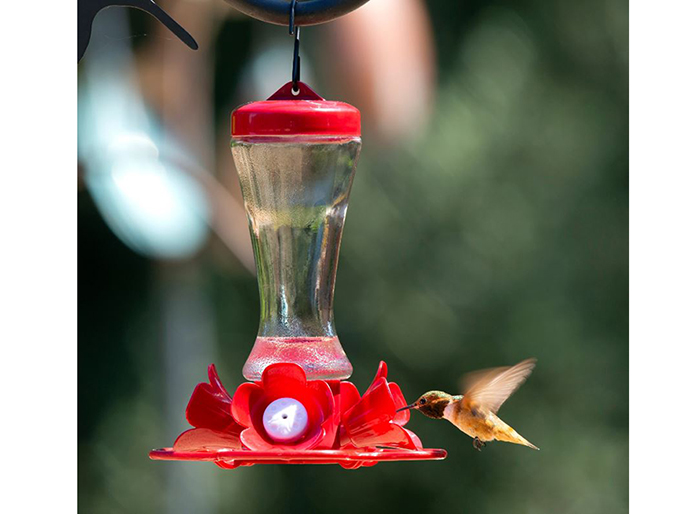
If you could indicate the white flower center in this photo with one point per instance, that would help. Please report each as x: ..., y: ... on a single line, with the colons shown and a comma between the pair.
x: 285, y: 420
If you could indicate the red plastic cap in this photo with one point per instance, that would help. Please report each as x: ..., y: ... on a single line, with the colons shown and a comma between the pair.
x: 286, y: 114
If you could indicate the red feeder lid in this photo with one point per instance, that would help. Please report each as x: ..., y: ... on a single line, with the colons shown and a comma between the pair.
x: 286, y: 114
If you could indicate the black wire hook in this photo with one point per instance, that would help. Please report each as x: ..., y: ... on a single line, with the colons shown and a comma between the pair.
x: 296, y: 60
x: 292, y: 13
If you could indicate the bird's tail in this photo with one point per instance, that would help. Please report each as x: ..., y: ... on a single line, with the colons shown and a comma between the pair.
x: 508, y: 435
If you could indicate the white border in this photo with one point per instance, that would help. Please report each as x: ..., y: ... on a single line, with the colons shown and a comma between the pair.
x: 665, y: 254
x: 38, y: 212
x: 38, y: 277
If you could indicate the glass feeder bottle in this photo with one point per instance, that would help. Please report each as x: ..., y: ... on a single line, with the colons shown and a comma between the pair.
x: 295, y: 155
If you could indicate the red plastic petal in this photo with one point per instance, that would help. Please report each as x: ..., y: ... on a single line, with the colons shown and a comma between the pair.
x: 375, y: 408
x: 330, y: 432
x: 386, y: 434
x: 215, y: 381
x: 322, y: 393
x: 198, y: 439
x: 349, y: 396
x: 245, y: 396
x: 283, y: 380
x: 210, y: 404
x: 252, y: 440
x: 382, y: 372
x: 416, y: 440
x: 400, y: 418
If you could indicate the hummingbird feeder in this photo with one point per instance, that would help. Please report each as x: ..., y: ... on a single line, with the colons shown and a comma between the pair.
x: 296, y: 154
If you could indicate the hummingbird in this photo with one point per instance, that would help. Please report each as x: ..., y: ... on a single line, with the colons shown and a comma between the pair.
x: 474, y: 412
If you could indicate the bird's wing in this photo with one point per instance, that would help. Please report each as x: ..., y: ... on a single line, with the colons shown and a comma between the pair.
x: 489, y: 388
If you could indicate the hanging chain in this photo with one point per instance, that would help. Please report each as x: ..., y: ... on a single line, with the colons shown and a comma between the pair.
x: 296, y: 61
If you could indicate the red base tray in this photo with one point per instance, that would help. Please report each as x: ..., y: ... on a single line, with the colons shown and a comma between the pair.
x: 345, y: 457
x: 344, y: 427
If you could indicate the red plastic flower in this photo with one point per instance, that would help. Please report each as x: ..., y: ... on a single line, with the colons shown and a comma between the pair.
x: 285, y: 380
x: 209, y: 411
x: 342, y: 427
x: 372, y: 420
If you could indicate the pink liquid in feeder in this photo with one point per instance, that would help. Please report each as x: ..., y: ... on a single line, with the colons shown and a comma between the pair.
x: 318, y: 354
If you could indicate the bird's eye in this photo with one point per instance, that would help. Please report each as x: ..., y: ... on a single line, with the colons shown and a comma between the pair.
x: 422, y: 401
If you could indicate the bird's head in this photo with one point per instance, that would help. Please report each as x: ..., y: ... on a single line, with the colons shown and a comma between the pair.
x: 432, y: 404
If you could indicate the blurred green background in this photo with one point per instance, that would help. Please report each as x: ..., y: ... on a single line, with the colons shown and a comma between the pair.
x: 495, y: 232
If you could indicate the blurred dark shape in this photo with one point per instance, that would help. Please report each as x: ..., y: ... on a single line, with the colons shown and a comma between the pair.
x: 308, y: 12
x: 88, y: 9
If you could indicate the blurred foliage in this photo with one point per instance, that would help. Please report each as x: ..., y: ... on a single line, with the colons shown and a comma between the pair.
x: 500, y: 234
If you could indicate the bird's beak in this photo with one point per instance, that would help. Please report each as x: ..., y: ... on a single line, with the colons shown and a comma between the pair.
x: 412, y: 406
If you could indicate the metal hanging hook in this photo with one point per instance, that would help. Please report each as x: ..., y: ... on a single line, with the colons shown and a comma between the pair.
x: 292, y: 14
x: 296, y: 60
